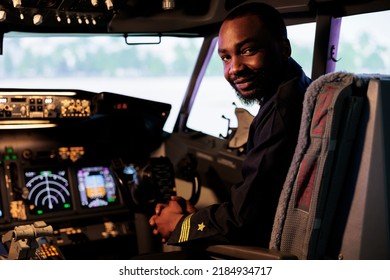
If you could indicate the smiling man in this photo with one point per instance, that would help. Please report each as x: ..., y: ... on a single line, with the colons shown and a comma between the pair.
x: 256, y: 55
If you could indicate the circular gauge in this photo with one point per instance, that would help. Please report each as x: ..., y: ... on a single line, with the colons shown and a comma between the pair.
x: 48, y: 191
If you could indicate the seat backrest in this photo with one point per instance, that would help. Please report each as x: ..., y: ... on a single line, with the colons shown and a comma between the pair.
x: 365, y: 223
x: 335, y: 200
x: 307, y: 222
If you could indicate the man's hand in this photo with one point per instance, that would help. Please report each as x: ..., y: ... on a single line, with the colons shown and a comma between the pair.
x: 168, y: 215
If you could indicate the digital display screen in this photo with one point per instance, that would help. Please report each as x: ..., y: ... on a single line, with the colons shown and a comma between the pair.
x: 48, y: 190
x: 97, y: 187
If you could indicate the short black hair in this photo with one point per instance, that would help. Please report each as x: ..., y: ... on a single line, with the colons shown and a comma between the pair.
x: 271, y: 17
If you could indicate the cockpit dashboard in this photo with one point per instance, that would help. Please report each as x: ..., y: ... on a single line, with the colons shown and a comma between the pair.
x: 59, y: 151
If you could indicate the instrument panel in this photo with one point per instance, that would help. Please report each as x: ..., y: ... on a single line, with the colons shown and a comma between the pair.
x: 57, y: 155
x: 20, y: 106
x: 57, y: 189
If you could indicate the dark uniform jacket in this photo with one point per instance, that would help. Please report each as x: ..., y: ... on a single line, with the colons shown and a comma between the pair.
x: 247, y: 218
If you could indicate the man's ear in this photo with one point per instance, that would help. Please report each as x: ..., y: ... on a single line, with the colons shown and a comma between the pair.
x: 286, y: 49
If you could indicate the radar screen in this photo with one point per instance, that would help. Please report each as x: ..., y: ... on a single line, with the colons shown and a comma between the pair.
x: 97, y: 187
x: 48, y: 190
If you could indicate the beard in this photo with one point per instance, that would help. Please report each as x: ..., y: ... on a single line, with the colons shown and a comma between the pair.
x: 264, y: 86
x: 248, y: 100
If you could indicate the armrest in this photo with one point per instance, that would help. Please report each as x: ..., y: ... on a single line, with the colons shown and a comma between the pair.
x: 247, y: 253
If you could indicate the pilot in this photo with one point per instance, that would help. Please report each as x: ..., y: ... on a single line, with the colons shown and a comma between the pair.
x: 256, y: 56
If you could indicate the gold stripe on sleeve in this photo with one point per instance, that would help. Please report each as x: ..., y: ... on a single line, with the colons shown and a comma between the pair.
x: 185, y: 229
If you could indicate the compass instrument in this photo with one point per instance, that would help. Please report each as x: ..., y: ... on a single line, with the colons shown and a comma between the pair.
x: 48, y: 190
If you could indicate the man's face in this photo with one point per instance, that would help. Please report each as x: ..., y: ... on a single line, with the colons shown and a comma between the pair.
x: 252, y: 58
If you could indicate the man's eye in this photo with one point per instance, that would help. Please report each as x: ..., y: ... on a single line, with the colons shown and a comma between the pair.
x: 224, y: 58
x: 248, y: 51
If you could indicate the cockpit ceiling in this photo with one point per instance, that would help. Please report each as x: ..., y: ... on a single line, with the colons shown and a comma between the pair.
x: 135, y: 16
x: 57, y: 15
x: 140, y: 16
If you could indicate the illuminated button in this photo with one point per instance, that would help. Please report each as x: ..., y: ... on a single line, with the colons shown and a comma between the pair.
x: 23, y: 110
x: 48, y: 100
x: 37, y: 19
